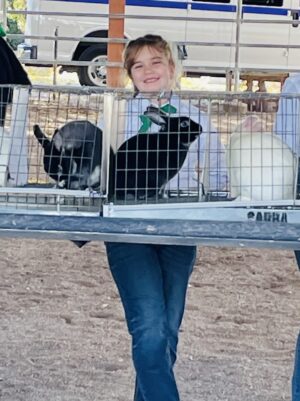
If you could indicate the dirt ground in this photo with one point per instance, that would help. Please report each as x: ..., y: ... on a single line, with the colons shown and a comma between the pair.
x: 63, y: 335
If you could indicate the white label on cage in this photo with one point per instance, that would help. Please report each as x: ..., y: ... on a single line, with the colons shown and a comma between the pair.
x: 268, y: 216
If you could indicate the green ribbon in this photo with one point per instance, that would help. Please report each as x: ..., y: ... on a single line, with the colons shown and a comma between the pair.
x: 146, y: 121
x: 2, y: 31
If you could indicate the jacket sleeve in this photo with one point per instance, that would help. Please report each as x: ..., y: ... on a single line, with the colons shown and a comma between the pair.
x: 11, y: 69
x: 288, y: 114
x: 205, y: 162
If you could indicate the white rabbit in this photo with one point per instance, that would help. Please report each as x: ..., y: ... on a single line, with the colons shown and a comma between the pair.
x: 260, y: 165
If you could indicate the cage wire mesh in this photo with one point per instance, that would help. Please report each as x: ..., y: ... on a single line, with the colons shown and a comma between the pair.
x: 203, y: 147
x: 45, y: 161
x: 74, y: 150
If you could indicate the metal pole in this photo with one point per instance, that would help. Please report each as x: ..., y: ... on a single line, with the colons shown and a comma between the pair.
x: 115, y: 50
x: 3, y: 8
x: 55, y: 58
x: 237, y: 45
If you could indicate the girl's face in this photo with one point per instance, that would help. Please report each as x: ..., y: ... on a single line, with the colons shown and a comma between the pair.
x: 152, y: 71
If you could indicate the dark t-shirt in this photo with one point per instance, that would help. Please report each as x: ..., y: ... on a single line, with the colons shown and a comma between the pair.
x: 11, y: 72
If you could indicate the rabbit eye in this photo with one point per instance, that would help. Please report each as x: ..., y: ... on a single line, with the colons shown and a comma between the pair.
x: 184, y: 124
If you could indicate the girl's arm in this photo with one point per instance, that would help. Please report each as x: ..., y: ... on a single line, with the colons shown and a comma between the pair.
x: 212, y: 163
x: 205, y: 162
x: 288, y: 114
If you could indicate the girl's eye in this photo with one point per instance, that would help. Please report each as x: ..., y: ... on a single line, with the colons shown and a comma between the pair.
x: 157, y: 62
x: 137, y: 66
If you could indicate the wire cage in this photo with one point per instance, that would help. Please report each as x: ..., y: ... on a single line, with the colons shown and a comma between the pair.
x: 39, y: 173
x: 180, y: 156
x: 199, y: 155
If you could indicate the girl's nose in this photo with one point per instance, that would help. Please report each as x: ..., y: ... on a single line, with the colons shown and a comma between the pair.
x: 148, y: 68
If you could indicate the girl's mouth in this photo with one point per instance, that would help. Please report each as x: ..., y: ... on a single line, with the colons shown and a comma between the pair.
x: 150, y: 80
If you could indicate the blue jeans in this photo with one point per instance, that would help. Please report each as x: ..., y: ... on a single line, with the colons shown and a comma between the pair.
x: 152, y: 281
x: 296, y: 374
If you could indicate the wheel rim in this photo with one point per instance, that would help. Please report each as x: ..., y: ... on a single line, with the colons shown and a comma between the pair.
x: 97, y: 74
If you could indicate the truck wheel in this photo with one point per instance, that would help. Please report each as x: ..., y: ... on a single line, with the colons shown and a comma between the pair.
x: 93, y: 75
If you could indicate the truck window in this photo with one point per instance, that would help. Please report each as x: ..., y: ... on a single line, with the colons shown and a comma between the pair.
x: 213, y: 1
x: 270, y: 3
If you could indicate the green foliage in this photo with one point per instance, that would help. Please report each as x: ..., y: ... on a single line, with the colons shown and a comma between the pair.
x: 16, y: 23
x: 12, y: 27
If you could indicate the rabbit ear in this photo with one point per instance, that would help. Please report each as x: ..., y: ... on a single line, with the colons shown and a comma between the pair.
x: 40, y: 136
x: 155, y: 115
x: 152, y: 109
x: 251, y: 124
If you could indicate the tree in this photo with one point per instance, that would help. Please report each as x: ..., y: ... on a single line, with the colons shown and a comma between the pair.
x: 16, y: 22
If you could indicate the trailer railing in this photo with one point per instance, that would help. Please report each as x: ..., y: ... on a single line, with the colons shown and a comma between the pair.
x: 230, y: 68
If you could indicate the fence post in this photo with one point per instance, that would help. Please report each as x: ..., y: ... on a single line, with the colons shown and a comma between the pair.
x: 18, y: 163
x: 237, y: 45
x: 55, y: 57
x: 115, y: 30
x: 3, y: 11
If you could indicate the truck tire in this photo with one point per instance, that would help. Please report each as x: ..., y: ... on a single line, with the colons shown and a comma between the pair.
x: 93, y: 75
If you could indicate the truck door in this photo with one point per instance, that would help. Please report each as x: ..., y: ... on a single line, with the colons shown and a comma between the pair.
x: 212, y: 23
x: 264, y: 22
x: 294, y: 36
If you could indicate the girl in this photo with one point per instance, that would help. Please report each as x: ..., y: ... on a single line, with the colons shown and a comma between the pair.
x: 152, y: 279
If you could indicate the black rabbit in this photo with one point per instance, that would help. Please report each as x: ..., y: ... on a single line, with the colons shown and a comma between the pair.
x: 73, y: 156
x: 146, y: 162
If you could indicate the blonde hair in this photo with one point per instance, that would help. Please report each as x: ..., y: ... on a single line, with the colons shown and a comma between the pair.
x: 153, y: 41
